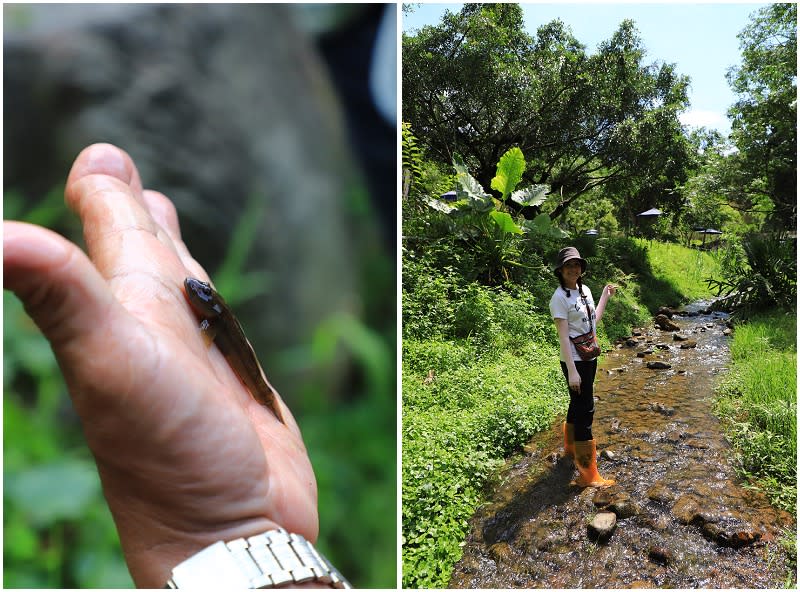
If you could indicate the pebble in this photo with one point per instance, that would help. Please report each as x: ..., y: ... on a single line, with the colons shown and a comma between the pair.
x: 688, y: 345
x: 662, y: 322
x: 660, y: 555
x: 608, y: 455
x: 602, y: 526
x: 500, y: 552
x: 657, y: 365
x: 686, y: 510
x: 661, y: 493
x: 679, y: 337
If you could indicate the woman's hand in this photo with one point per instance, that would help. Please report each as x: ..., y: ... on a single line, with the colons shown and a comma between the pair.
x: 610, y: 289
x: 185, y: 455
x: 573, y: 379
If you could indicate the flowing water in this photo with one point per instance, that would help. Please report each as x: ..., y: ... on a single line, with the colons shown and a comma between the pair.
x: 683, y: 518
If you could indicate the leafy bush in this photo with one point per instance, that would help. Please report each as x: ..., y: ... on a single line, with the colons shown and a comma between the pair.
x: 459, y: 424
x: 768, y: 280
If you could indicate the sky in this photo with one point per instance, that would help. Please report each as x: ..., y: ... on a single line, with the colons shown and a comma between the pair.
x: 700, y: 38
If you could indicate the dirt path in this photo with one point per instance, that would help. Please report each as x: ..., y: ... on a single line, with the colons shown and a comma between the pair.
x: 683, y: 519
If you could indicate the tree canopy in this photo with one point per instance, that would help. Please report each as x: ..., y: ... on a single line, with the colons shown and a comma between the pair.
x: 477, y: 84
x: 764, y: 117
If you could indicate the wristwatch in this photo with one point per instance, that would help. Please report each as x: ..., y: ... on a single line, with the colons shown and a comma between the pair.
x: 273, y: 559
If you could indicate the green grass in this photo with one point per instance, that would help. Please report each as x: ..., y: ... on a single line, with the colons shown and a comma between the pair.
x: 465, y: 410
x: 758, y: 401
x: 676, y: 274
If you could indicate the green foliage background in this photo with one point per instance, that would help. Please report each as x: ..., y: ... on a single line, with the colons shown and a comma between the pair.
x: 58, y: 531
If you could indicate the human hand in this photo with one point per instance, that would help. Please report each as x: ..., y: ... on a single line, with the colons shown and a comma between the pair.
x: 611, y: 289
x: 574, y: 380
x: 185, y: 455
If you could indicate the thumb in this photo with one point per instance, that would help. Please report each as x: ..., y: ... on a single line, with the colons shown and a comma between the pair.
x: 62, y: 291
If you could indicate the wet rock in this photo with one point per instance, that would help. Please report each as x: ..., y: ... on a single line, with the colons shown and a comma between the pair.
x: 661, y: 493
x: 657, y: 523
x: 602, y: 497
x: 663, y: 323
x: 658, y: 365
x: 733, y: 533
x: 689, y: 344
x: 602, y: 526
x: 727, y: 332
x: 662, y: 409
x: 614, y: 428
x: 660, y: 554
x: 501, y: 552
x: 608, y: 455
x: 662, y: 346
x: 686, y: 510
x: 644, y: 353
x: 636, y: 333
x: 679, y: 337
x: 623, y: 506
x: 695, y: 443
x: 666, y: 311
x: 553, y: 458
x: 631, y: 343
x: 673, y: 437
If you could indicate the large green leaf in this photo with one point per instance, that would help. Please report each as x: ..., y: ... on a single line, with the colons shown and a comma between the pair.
x: 58, y: 491
x: 469, y: 192
x: 531, y: 196
x: 509, y: 172
x: 505, y: 222
x: 542, y: 225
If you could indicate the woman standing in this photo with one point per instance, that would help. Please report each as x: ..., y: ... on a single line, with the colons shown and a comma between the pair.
x: 573, y: 310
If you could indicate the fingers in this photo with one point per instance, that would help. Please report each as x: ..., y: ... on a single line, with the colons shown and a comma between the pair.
x: 163, y: 212
x: 132, y: 235
x: 121, y: 235
x: 59, y: 286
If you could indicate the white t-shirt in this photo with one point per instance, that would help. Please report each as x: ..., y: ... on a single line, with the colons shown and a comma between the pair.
x: 574, y: 310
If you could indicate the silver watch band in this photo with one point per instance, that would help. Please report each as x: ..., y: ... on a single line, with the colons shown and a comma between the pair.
x: 270, y: 560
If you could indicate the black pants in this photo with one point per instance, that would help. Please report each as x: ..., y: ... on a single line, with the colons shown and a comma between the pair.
x: 581, y: 404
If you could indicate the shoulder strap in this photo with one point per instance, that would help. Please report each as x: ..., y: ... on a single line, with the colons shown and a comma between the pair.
x: 589, y: 310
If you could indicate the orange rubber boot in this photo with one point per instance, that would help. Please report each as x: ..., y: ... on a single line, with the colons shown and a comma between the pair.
x: 569, y: 439
x: 586, y: 463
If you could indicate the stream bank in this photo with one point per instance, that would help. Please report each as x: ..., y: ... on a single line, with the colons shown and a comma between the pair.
x: 682, y: 518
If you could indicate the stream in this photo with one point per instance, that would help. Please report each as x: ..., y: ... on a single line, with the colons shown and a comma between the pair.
x: 683, y: 519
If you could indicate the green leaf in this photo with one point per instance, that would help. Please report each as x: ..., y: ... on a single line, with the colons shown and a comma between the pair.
x: 470, y: 191
x: 439, y: 205
x: 542, y: 225
x: 509, y: 172
x: 505, y: 222
x: 531, y: 196
x: 59, y: 491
